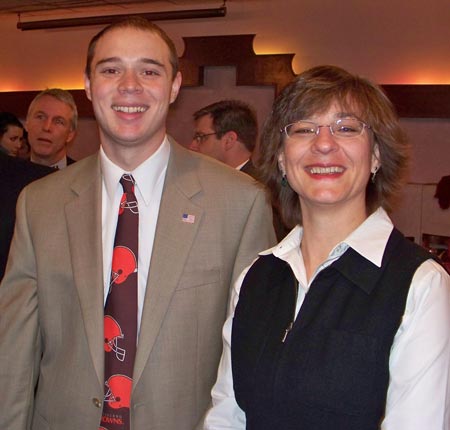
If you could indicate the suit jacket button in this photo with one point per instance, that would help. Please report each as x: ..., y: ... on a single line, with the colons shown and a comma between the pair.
x: 97, y: 402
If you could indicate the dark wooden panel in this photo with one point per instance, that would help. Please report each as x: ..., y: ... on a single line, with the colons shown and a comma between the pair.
x: 234, y: 50
x: 420, y: 101
x: 18, y: 102
x: 411, y: 101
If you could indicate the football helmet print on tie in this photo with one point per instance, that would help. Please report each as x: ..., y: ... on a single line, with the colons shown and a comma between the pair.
x: 119, y: 391
x: 124, y: 263
x: 113, y: 333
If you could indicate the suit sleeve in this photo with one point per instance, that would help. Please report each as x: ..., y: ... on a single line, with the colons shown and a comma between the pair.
x: 225, y: 413
x: 258, y: 234
x: 19, y: 329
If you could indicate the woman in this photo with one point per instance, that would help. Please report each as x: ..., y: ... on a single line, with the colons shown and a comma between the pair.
x: 11, y: 134
x: 345, y: 324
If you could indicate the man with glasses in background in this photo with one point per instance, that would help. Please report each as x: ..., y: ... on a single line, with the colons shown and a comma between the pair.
x: 227, y: 131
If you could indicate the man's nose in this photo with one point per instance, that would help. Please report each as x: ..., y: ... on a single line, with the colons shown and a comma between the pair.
x: 194, y: 145
x: 130, y: 82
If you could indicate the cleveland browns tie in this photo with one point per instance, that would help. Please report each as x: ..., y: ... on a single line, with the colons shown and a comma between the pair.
x: 120, y: 317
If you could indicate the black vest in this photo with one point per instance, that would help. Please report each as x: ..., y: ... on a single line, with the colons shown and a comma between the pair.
x: 332, y: 370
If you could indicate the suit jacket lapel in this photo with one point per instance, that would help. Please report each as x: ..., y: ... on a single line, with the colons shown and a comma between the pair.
x: 83, y: 216
x: 173, y: 240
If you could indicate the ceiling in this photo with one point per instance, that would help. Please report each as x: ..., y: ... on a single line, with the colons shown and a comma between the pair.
x: 40, y: 7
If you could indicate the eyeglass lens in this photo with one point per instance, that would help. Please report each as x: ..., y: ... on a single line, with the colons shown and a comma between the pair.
x: 347, y: 127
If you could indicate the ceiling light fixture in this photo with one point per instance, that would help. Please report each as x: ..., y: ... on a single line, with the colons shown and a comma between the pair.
x: 108, y: 19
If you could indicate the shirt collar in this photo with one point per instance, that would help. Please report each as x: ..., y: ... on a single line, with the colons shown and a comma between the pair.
x: 368, y: 240
x: 61, y: 164
x: 146, y: 175
x: 242, y: 164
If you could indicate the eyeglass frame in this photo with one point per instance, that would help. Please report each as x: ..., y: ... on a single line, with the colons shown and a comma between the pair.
x: 201, y: 137
x: 319, y: 126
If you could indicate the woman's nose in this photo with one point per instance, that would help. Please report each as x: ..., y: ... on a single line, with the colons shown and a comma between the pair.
x: 324, y: 140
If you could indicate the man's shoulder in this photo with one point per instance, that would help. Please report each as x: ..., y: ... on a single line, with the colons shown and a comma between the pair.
x: 21, y: 172
x: 63, y: 179
x: 211, y: 171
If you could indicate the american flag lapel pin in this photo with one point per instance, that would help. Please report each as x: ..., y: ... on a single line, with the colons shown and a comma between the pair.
x: 188, y: 218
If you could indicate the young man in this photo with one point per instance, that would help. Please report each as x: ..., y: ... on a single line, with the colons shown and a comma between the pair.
x: 199, y: 225
x: 51, y: 124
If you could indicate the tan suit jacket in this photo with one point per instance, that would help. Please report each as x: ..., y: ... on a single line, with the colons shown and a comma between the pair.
x: 51, y: 299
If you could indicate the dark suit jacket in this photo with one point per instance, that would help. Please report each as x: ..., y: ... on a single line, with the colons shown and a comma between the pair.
x: 15, y: 173
x: 280, y: 229
x: 250, y: 169
x: 51, y: 297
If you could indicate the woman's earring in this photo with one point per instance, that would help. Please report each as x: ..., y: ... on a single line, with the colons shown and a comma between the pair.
x: 374, y: 174
x: 284, y: 181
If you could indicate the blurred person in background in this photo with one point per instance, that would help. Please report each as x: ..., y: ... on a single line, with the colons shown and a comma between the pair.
x: 11, y: 134
x: 51, y: 124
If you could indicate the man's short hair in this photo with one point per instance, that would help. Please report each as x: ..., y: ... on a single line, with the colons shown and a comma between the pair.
x: 63, y: 96
x: 232, y: 115
x: 137, y: 23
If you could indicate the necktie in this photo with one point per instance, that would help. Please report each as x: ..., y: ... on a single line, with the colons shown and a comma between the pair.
x: 120, y: 315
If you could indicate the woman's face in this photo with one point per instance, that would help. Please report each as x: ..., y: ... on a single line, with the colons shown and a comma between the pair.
x: 328, y: 171
x: 11, y: 141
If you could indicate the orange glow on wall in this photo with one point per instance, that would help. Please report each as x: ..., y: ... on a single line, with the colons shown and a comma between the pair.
x: 9, y: 85
x: 428, y: 79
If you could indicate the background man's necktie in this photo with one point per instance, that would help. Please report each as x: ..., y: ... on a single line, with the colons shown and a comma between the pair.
x: 120, y: 317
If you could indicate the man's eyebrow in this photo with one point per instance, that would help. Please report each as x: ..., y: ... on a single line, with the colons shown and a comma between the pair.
x: 119, y: 60
x: 108, y: 60
x: 152, y: 61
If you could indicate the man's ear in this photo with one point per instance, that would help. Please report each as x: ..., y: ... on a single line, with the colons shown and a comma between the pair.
x: 176, y: 85
x: 71, y: 136
x: 87, y: 87
x: 230, y: 138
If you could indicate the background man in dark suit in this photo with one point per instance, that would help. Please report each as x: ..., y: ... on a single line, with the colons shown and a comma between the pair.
x: 51, y: 124
x: 227, y: 131
x: 15, y: 173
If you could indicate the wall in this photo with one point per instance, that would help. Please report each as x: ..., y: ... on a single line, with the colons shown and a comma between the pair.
x: 397, y: 41
x: 418, y: 210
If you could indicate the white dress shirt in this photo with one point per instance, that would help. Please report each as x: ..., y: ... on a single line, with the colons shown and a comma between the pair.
x: 149, y: 177
x: 240, y: 166
x: 418, y: 395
